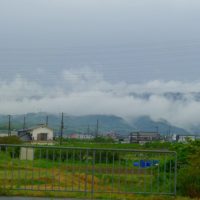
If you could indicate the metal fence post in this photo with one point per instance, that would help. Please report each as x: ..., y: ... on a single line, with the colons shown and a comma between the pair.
x: 93, y: 171
x: 175, y: 173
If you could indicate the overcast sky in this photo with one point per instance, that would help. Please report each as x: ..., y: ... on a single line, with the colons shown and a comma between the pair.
x: 132, y: 40
x: 65, y: 55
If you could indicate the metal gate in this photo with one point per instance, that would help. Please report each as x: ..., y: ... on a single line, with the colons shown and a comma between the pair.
x: 46, y: 168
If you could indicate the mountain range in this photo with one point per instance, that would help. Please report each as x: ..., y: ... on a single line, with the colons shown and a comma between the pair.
x: 88, y: 123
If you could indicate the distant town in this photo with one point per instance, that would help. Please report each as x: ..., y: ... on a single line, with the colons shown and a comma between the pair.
x: 43, y: 132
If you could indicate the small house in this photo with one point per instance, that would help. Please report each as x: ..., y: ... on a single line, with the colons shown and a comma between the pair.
x: 37, y: 133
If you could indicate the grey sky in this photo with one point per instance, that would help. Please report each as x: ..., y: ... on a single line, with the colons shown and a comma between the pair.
x: 101, y: 57
x: 129, y: 40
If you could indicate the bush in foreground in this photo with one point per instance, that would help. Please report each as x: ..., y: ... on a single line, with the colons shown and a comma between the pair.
x: 10, y: 140
x: 189, y: 176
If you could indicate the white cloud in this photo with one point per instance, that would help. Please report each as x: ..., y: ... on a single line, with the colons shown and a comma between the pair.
x: 85, y: 91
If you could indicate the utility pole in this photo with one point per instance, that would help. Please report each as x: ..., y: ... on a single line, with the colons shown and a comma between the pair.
x: 157, y: 131
x: 131, y: 138
x: 24, y: 124
x: 97, y: 129
x: 61, y: 129
x: 138, y: 137
x: 169, y: 134
x: 47, y: 120
x: 9, y: 125
x: 88, y: 129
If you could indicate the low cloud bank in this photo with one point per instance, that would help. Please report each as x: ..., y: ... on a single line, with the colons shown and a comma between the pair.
x: 84, y: 91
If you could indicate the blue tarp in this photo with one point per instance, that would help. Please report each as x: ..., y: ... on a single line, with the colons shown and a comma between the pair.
x: 145, y: 163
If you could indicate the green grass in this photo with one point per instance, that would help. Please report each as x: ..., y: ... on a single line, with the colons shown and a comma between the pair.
x: 76, y: 174
x: 70, y: 171
x: 101, y: 145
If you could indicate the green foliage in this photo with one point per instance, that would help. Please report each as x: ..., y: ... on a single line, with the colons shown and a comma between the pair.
x: 4, y: 192
x: 188, y: 159
x: 10, y: 140
x: 189, y: 175
x: 158, y: 145
x: 12, y: 151
x: 100, y: 139
x: 188, y: 164
x: 103, y: 145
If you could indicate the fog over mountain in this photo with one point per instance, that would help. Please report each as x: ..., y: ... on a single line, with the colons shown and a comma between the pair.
x: 86, y: 92
x: 88, y: 124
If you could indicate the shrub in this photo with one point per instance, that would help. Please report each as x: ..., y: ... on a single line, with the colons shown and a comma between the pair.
x: 12, y: 151
x: 10, y: 140
x: 189, y: 176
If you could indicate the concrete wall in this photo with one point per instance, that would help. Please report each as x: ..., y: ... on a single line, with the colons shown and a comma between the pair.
x: 26, y: 153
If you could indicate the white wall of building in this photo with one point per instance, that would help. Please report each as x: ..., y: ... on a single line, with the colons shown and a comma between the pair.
x: 39, y: 130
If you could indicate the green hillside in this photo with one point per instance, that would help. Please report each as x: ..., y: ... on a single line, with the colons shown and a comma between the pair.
x: 88, y: 123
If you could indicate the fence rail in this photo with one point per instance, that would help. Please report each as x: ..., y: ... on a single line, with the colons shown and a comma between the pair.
x: 50, y: 168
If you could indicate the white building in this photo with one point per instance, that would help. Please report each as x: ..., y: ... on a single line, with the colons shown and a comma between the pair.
x: 185, y: 138
x: 42, y: 133
x: 38, y: 133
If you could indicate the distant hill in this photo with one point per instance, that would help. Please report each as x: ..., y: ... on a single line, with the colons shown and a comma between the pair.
x: 146, y: 124
x: 87, y: 124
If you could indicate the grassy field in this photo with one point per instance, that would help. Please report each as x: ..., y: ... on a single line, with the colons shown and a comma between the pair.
x: 80, y: 175
x: 100, y: 175
x: 64, y: 195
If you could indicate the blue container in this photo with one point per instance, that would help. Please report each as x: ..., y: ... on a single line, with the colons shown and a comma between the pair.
x: 136, y: 164
x: 146, y: 163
